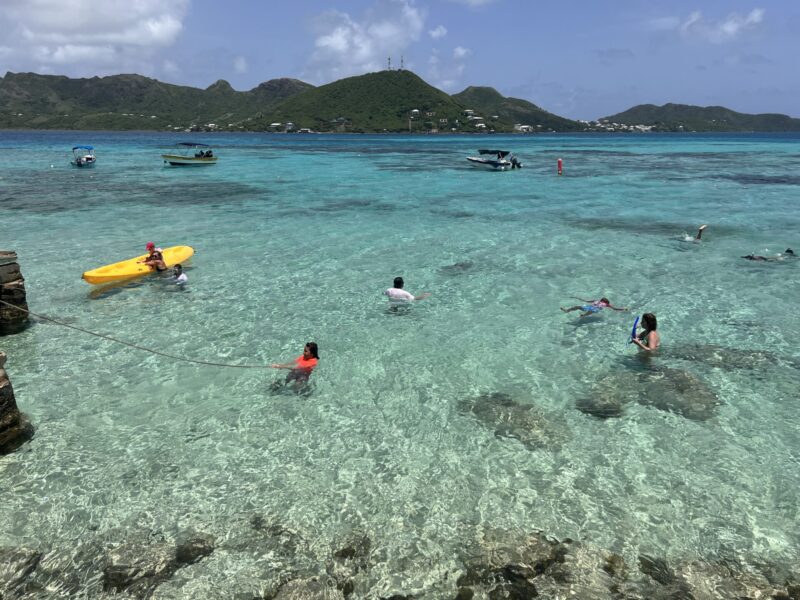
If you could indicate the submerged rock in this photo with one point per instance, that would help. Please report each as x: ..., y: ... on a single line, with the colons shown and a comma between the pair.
x: 720, y: 357
x: 508, y: 418
x: 672, y: 390
x: 138, y: 569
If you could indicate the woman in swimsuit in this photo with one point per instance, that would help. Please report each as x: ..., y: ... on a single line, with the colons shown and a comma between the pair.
x: 648, y: 339
x: 592, y: 306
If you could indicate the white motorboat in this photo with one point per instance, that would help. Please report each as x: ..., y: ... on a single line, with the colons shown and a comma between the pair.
x: 83, y: 157
x: 495, y: 160
x: 189, y: 154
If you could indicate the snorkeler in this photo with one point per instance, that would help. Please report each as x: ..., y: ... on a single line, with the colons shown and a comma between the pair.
x: 648, y: 339
x: 788, y: 253
x: 592, y: 306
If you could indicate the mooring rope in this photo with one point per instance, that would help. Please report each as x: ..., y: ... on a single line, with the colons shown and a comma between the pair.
x: 131, y: 345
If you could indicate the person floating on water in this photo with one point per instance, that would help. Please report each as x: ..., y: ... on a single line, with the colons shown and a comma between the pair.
x: 300, y: 370
x: 788, y: 253
x: 398, y: 296
x: 592, y: 306
x: 155, y: 259
x: 179, y: 275
x: 648, y: 339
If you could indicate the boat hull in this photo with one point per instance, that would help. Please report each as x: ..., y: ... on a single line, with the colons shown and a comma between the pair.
x: 491, y: 165
x: 176, y: 160
x: 132, y: 268
x: 83, y: 164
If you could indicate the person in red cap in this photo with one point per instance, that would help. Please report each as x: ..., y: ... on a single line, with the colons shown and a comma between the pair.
x: 155, y: 260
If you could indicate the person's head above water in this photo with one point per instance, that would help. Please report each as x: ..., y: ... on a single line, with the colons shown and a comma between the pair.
x: 649, y: 322
x: 311, y: 350
x: 178, y: 269
x: 789, y: 251
x: 398, y: 282
x: 605, y: 300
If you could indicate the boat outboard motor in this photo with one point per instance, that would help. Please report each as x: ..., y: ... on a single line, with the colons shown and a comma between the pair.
x: 515, y: 164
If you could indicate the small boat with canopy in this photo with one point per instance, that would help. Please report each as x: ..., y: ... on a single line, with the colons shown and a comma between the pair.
x: 83, y: 157
x: 190, y: 154
x: 496, y: 160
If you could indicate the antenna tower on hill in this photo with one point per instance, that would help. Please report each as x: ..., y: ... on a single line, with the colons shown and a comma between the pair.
x: 389, y: 64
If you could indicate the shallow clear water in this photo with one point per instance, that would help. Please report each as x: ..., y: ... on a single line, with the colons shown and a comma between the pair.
x: 296, y: 238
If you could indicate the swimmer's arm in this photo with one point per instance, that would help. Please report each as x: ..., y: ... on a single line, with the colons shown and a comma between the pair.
x: 277, y: 366
x: 582, y: 299
x: 422, y: 296
x: 612, y: 307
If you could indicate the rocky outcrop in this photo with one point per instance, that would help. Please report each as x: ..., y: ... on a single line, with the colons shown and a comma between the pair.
x: 12, y: 291
x: 15, y: 429
x: 523, y: 422
x: 664, y: 388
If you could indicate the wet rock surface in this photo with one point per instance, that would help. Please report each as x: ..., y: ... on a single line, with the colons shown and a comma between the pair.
x: 12, y: 291
x: 664, y: 388
x: 720, y: 357
x: 508, y: 418
x: 15, y: 429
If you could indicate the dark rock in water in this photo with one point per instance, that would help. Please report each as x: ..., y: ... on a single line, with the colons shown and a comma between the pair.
x: 307, y: 589
x: 672, y: 390
x: 15, y: 429
x: 138, y: 569
x: 537, y: 566
x: 656, y: 568
x: 193, y: 548
x: 349, y: 561
x: 721, y: 357
x: 12, y: 294
x: 508, y: 418
x: 16, y: 566
x: 457, y: 268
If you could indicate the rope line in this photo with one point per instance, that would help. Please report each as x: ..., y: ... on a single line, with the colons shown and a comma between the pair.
x: 136, y: 346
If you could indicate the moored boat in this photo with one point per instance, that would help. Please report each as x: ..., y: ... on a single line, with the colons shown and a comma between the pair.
x: 495, y: 160
x: 190, y: 154
x: 83, y: 157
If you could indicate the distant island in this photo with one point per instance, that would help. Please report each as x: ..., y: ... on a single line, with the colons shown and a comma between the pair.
x: 396, y: 101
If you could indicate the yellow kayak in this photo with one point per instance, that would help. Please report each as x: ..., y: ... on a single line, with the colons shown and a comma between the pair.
x: 128, y: 269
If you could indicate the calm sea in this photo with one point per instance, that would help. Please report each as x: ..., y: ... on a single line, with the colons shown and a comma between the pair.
x: 400, y: 438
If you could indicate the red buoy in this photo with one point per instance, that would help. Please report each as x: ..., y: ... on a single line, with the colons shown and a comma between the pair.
x: 560, y: 167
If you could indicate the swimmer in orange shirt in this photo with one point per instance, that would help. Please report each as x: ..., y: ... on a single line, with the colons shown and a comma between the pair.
x: 300, y: 369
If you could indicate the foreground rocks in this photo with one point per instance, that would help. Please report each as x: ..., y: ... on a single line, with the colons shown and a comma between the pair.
x: 495, y: 564
x: 12, y: 291
x: 664, y: 388
x: 15, y: 429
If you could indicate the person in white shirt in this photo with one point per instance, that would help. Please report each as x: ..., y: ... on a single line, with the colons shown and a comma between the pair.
x: 179, y: 275
x: 397, y: 295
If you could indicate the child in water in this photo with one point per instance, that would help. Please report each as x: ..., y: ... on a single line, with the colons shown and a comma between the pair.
x: 179, y: 275
x: 592, y: 306
x: 299, y: 370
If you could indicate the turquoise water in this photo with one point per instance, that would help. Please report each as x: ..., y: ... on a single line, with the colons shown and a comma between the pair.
x: 297, y: 236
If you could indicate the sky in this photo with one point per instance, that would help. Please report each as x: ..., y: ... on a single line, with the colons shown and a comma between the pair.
x: 582, y: 59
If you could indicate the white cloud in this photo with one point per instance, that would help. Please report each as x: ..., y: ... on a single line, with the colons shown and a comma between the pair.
x: 81, y: 38
x: 345, y: 46
x: 445, y: 73
x: 461, y: 52
x: 697, y: 26
x: 437, y: 33
x: 240, y: 64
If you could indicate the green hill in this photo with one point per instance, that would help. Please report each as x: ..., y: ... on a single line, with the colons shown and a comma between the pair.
x: 382, y: 101
x: 29, y: 100
x: 683, y: 117
x: 488, y: 101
